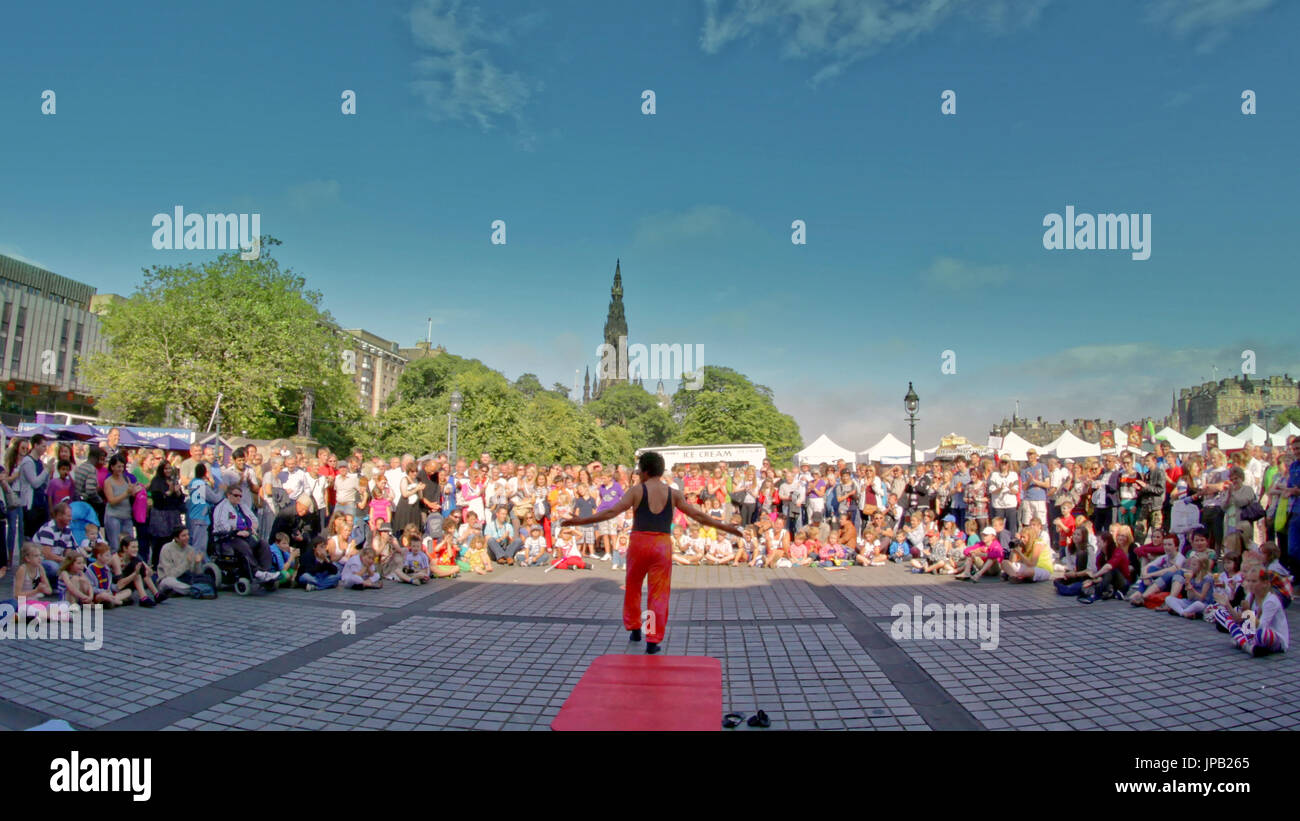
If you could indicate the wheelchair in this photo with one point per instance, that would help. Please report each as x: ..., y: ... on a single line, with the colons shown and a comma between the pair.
x: 229, y: 569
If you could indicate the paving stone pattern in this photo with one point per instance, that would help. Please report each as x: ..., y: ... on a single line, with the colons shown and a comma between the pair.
x: 811, y: 648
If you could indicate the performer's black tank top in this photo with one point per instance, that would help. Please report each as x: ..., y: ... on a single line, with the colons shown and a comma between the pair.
x: 646, y: 521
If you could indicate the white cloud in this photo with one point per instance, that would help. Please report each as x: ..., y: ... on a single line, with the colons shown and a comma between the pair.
x: 1208, y: 19
x: 952, y: 274
x: 697, y: 222
x: 17, y: 253
x: 460, y: 78
x: 846, y: 31
x: 314, y: 193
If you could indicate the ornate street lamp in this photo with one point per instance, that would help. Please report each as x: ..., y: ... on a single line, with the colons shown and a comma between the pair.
x: 452, y: 423
x: 911, y: 403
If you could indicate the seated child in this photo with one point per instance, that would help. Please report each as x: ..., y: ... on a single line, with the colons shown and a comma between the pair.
x: 720, y: 550
x: 32, y: 583
x: 832, y: 554
x: 284, y: 557
x: 1227, y: 584
x: 317, y: 570
x: 1282, y: 581
x: 571, y: 556
x: 800, y: 552
x: 1258, y: 626
x: 136, y: 575
x: 1160, y: 573
x: 983, y: 557
x: 442, y: 557
x: 535, y: 550
x: 415, y: 563
x: 1196, y: 587
x: 692, y: 545
x: 361, y: 571
x: 620, y: 552
x: 756, y: 547
x: 480, y: 562
x: 900, y: 549
x: 74, y: 584
x: 87, y: 546
x: 101, y: 572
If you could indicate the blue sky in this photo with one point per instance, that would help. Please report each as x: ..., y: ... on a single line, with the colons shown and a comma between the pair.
x: 924, y: 231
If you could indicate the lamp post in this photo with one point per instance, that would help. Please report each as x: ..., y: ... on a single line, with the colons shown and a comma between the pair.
x: 451, y: 426
x: 912, y: 403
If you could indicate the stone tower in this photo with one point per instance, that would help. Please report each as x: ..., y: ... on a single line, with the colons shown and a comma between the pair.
x: 615, y: 326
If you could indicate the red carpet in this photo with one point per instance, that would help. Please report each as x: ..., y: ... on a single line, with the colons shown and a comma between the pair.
x: 645, y: 693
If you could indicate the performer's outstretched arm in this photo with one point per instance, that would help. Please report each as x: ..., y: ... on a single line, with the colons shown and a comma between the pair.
x: 623, y: 504
x: 679, y: 499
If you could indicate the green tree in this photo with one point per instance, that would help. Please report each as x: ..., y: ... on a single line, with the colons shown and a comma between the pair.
x: 1289, y: 415
x: 635, y: 409
x: 716, y: 379
x: 242, y: 329
x: 740, y: 412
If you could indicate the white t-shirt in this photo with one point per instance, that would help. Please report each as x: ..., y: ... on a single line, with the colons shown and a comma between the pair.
x: 1002, y: 489
x: 394, y: 478
x: 1255, y: 475
x: 1058, y: 478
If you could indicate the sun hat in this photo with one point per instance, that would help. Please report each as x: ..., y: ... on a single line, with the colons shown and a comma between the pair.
x: 950, y: 518
x: 989, y: 531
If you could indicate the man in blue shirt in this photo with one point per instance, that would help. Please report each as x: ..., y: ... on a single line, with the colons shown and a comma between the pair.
x: 1034, y: 484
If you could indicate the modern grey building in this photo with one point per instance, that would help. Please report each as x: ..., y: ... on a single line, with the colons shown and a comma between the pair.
x: 45, y: 326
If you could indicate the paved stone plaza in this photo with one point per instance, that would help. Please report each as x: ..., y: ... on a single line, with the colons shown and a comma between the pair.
x: 812, y: 648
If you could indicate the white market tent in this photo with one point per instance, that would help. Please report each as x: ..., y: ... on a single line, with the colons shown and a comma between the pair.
x: 1280, y: 437
x: 1069, y: 446
x: 1254, y: 434
x: 1226, y: 440
x: 1016, y: 446
x: 824, y: 450
x: 1177, y: 441
x: 889, y: 451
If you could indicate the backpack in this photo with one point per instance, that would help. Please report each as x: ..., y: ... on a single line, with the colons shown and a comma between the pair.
x: 202, y: 590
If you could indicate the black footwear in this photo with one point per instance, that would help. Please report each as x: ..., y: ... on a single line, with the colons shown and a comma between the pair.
x: 634, y: 635
x: 759, y: 719
x: 651, y: 647
x: 732, y: 720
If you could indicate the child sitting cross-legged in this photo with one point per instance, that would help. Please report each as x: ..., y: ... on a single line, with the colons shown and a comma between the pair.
x: 566, y: 544
x: 136, y: 576
x: 1160, y: 573
x: 361, y: 572
x: 1196, y: 587
x: 74, y: 583
x: 1258, y: 626
x: 800, y: 552
x: 720, y: 550
x: 535, y: 550
x: 832, y: 554
x: 316, y: 569
x: 102, y: 571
